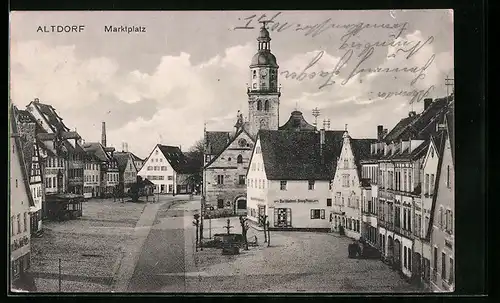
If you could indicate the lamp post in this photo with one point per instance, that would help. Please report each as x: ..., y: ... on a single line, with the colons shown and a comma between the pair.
x: 196, y: 223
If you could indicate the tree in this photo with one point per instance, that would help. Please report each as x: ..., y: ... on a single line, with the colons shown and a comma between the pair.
x: 195, y: 157
x: 244, y: 229
x: 263, y: 222
x: 136, y: 188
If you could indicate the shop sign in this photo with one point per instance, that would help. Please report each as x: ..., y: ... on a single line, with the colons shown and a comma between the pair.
x: 296, y: 201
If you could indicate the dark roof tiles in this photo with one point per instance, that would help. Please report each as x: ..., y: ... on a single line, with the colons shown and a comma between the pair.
x: 296, y: 155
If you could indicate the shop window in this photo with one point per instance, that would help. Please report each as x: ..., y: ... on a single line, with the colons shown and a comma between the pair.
x: 220, y: 203
x: 317, y: 213
x: 311, y: 185
x: 282, y: 185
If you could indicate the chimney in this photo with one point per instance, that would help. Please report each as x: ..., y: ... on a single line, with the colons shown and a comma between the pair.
x: 412, y: 114
x: 385, y: 132
x: 427, y: 103
x: 123, y: 147
x: 36, y: 100
x: 380, y: 132
x: 103, y: 138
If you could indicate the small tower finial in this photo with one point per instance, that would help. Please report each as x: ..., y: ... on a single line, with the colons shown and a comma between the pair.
x: 346, y: 127
x: 316, y: 114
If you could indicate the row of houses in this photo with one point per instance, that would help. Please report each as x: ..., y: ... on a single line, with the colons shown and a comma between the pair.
x: 60, y: 165
x: 394, y: 191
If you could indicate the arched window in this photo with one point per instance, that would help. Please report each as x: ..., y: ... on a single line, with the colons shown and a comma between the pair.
x: 259, y: 105
x: 239, y: 159
x: 266, y: 105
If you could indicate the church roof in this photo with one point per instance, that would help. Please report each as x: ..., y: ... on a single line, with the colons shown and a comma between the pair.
x: 264, y: 58
x: 296, y: 122
x: 297, y: 155
x: 216, y: 141
x: 231, y: 140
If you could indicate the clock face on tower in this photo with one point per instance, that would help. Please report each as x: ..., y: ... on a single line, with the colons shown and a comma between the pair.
x: 263, y: 72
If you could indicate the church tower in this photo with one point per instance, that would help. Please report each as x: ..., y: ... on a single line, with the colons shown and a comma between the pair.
x: 263, y: 93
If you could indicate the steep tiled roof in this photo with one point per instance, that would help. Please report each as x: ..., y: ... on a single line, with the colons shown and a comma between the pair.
x: 122, y: 160
x: 52, y: 117
x: 96, y: 149
x: 296, y: 122
x: 396, y: 132
x: 229, y: 142
x: 179, y: 162
x: 135, y: 157
x: 296, y: 155
x: 420, y: 126
x: 19, y: 147
x: 216, y: 141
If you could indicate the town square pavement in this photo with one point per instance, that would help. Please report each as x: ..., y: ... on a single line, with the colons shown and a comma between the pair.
x: 295, y: 261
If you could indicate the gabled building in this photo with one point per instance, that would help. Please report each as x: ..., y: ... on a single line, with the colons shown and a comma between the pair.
x: 20, y: 200
x: 66, y: 141
x: 108, y: 170
x: 442, y: 233
x: 168, y: 168
x: 348, y: 186
x: 290, y: 176
x: 127, y: 171
x: 28, y: 129
x: 224, y: 176
x: 92, y: 175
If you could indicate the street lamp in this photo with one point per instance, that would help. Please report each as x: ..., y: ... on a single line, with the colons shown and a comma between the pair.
x: 196, y: 223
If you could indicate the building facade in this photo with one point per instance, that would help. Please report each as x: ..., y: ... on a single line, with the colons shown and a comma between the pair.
x: 20, y: 202
x: 443, y: 213
x: 168, y: 169
x: 92, y: 176
x: 225, y: 177
x: 127, y: 170
x: 28, y: 129
x: 290, y: 175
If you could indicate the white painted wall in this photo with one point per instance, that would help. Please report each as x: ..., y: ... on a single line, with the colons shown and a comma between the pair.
x: 158, y: 177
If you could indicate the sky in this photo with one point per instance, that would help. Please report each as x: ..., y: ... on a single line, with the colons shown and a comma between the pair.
x: 190, y: 69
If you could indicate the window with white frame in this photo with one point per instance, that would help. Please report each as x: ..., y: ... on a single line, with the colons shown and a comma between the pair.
x: 431, y: 192
x: 283, y: 185
x: 220, y: 179
x: 311, y: 185
x: 426, y: 184
x: 345, y: 180
x: 317, y: 214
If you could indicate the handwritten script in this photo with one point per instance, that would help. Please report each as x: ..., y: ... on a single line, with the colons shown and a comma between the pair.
x: 356, y: 54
